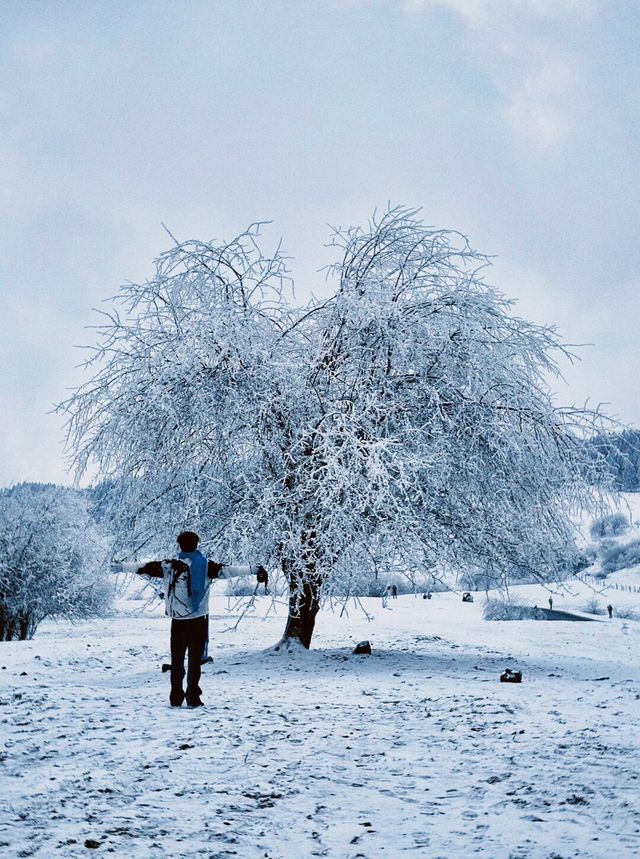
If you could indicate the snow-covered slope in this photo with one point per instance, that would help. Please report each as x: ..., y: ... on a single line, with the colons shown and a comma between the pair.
x: 417, y: 750
x: 616, y: 556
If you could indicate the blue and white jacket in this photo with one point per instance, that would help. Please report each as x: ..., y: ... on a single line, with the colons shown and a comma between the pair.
x: 187, y: 581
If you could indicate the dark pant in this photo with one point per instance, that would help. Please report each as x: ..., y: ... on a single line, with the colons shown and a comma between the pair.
x: 187, y: 635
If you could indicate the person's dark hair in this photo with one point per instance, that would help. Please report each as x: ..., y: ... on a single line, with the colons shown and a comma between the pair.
x: 188, y: 541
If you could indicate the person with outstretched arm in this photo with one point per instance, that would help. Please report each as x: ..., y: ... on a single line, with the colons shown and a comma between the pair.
x: 187, y: 582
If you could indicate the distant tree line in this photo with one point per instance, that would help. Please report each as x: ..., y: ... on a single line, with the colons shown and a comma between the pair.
x: 619, y: 454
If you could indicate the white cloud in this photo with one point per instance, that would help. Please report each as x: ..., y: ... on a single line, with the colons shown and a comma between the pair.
x: 530, y: 52
x: 540, y: 108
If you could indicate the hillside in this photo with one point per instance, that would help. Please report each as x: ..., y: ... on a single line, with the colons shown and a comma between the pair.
x: 417, y: 750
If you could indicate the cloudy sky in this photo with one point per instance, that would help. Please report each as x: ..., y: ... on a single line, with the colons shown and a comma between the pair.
x: 514, y: 121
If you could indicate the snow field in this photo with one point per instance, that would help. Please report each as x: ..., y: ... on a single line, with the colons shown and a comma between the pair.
x: 415, y: 751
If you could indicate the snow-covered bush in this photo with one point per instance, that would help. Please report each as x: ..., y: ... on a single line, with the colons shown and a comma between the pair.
x: 241, y: 587
x: 503, y: 610
x: 367, y: 585
x: 619, y: 453
x: 611, y: 525
x: 617, y: 557
x: 51, y: 559
x: 583, y: 559
x: 627, y: 613
x: 594, y: 607
x: 403, y: 423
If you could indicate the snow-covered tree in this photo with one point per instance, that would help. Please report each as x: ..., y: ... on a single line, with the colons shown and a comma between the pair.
x: 51, y: 559
x: 405, y: 422
x: 620, y: 453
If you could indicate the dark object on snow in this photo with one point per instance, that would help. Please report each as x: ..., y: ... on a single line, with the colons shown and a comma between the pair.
x: 466, y: 597
x: 205, y: 660
x: 363, y: 647
x: 166, y: 666
x: 610, y: 610
x: 91, y: 844
x: 262, y: 578
x: 509, y: 676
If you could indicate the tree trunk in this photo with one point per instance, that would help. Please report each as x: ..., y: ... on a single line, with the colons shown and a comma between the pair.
x: 16, y: 627
x: 25, y: 627
x: 304, y: 604
x: 9, y: 628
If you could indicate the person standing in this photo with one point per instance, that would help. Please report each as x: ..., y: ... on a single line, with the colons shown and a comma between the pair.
x: 610, y: 610
x: 551, y: 603
x: 187, y: 582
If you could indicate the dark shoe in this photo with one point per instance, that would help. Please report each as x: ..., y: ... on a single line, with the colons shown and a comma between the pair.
x: 193, y: 704
x: 206, y: 660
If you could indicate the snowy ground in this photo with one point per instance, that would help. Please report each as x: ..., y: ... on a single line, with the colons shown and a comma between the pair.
x: 417, y: 750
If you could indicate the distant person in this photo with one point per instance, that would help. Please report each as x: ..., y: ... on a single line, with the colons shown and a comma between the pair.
x: 550, y: 603
x: 187, y: 582
x: 394, y: 592
x: 610, y: 610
